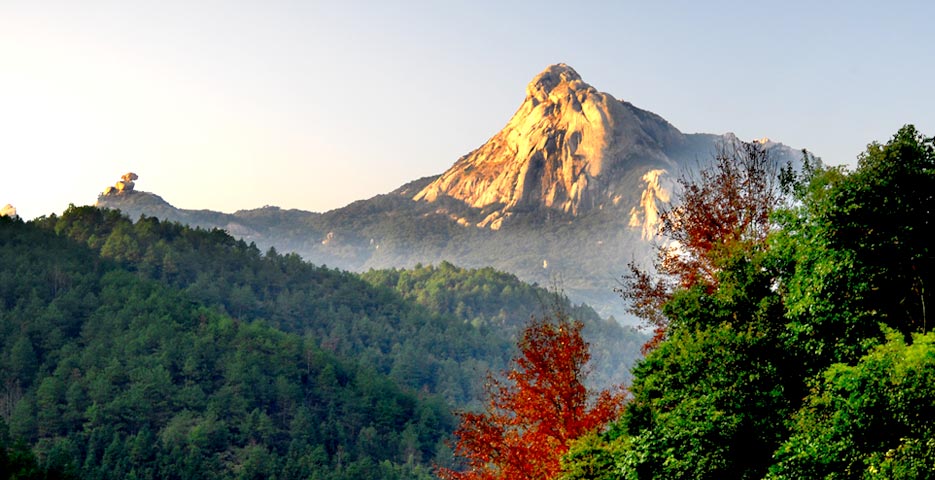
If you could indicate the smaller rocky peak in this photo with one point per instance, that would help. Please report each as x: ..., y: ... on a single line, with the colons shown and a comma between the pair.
x: 124, y: 196
x: 8, y: 211
x: 122, y: 187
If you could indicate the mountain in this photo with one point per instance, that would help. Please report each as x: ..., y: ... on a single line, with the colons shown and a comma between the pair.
x: 565, y: 149
x: 568, y: 192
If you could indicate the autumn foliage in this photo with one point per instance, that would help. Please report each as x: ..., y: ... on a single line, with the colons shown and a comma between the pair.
x: 536, y: 410
x: 724, y: 206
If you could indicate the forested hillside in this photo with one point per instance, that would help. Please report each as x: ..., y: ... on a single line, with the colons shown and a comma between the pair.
x: 155, y: 350
x: 792, y: 341
x: 440, y: 329
x: 794, y: 346
x: 490, y: 299
x: 108, y: 374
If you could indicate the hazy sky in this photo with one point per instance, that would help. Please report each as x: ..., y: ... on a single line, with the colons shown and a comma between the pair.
x: 229, y: 104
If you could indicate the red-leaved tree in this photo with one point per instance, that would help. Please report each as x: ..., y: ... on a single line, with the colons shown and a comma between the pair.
x: 723, y: 206
x: 536, y: 410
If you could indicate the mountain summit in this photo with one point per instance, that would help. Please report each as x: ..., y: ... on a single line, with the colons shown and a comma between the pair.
x: 564, y: 149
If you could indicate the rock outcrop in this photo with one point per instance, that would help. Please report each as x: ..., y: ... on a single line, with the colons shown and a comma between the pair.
x: 125, y: 185
x: 656, y: 195
x: 562, y: 150
x: 8, y: 211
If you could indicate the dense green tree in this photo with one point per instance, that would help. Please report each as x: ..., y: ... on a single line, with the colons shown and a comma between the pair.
x: 717, y: 390
x: 17, y: 460
x: 346, y: 314
x: 498, y: 302
x: 23, y: 361
x: 883, y: 213
x: 807, y: 355
x: 868, y: 420
x: 159, y: 350
x: 854, y: 252
x: 132, y: 378
x: 594, y: 456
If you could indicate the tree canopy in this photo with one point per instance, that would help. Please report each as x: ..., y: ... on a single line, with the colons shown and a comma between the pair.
x: 149, y: 349
x: 535, y: 410
x: 805, y: 353
x: 109, y: 375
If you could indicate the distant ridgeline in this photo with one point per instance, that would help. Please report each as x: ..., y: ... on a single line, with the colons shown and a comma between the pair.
x: 569, y: 189
x: 155, y: 350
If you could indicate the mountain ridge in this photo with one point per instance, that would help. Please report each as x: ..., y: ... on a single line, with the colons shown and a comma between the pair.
x: 568, y: 191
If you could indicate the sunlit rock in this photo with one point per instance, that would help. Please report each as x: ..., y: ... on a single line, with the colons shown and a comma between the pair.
x: 657, y: 194
x: 125, y: 185
x: 563, y: 150
x: 8, y: 211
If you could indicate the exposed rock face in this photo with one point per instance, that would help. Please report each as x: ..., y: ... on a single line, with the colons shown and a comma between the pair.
x: 658, y: 193
x: 125, y: 185
x: 561, y: 150
x: 8, y: 211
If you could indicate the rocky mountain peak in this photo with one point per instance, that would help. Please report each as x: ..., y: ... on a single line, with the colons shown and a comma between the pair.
x: 542, y: 85
x: 556, y: 152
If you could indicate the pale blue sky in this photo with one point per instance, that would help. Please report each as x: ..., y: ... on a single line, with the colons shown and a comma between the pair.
x: 232, y: 104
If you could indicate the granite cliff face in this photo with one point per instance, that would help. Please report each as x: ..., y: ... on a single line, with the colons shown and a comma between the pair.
x: 564, y: 149
x: 656, y: 195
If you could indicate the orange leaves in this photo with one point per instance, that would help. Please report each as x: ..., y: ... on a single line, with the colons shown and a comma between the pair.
x: 726, y: 204
x: 723, y: 209
x: 536, y: 410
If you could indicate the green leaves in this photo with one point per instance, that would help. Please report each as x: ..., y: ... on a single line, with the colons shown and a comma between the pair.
x: 810, y: 357
x: 107, y: 373
x: 871, y: 420
x: 882, y: 212
x: 707, y: 404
